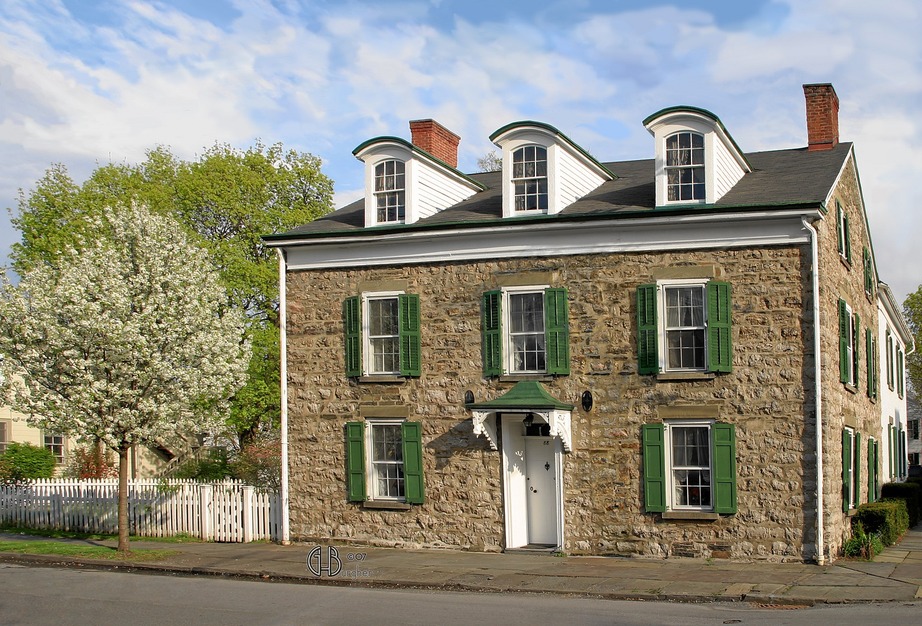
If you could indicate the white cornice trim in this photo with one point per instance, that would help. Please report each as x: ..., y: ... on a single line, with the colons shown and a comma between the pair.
x: 554, y: 238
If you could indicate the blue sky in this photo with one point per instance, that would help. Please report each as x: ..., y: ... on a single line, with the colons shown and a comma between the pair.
x: 84, y: 83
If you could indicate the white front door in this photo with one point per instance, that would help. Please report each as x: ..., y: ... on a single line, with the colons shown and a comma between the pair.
x: 541, y: 490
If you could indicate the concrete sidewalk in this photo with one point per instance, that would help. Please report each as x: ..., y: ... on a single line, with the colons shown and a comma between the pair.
x: 895, y: 575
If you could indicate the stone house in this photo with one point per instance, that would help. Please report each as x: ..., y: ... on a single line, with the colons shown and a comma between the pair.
x: 656, y: 357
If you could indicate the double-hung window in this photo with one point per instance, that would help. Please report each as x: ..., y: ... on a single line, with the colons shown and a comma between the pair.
x: 689, y: 465
x: 873, y: 361
x: 900, y: 371
x: 382, y: 334
x: 684, y: 326
x: 55, y: 444
x: 851, y: 477
x: 390, y: 191
x: 869, y: 278
x: 384, y: 461
x: 849, y: 323
x: 843, y: 234
x: 4, y: 435
x: 685, y: 180
x: 529, y: 179
x: 525, y: 331
x: 890, y: 368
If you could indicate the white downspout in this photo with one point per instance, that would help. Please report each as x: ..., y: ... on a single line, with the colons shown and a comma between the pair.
x: 283, y: 379
x: 818, y: 393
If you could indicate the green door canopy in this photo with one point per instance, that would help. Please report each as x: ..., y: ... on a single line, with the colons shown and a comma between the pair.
x: 526, y: 396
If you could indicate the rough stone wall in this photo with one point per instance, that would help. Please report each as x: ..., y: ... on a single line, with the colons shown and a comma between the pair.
x: 842, y: 405
x: 766, y: 396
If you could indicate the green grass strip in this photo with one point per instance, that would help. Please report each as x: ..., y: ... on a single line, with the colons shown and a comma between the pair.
x: 60, y: 548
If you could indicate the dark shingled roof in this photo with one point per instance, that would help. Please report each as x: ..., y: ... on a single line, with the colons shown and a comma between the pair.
x: 779, y: 178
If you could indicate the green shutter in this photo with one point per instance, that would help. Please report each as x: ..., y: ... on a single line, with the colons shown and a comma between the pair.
x: 492, y: 333
x: 719, y: 332
x: 654, y: 468
x: 414, y: 488
x: 848, y: 238
x: 843, y: 341
x: 856, y: 353
x: 846, y: 467
x: 556, y: 331
x: 647, y: 352
x: 872, y: 471
x: 868, y: 274
x: 408, y: 312
x: 900, y: 374
x: 869, y: 351
x: 723, y: 438
x: 352, y: 324
x: 891, y: 440
x: 355, y: 460
x: 839, y: 227
x: 856, y: 479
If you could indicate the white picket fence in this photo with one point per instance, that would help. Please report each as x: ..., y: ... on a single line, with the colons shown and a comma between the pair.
x: 226, y: 511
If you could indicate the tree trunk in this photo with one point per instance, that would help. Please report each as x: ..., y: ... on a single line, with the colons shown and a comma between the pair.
x: 123, y: 498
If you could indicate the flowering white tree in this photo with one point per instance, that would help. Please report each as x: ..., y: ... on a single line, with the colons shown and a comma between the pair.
x: 126, y: 339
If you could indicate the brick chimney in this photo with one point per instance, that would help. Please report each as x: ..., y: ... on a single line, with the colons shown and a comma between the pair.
x: 435, y: 139
x: 822, y: 116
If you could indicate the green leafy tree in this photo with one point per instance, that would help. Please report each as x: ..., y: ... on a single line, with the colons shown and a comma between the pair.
x: 24, y: 461
x: 225, y: 200
x: 124, y: 339
x: 912, y: 311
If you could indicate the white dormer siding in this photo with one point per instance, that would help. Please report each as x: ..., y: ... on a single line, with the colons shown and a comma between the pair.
x: 571, y: 172
x: 430, y: 185
x: 724, y: 164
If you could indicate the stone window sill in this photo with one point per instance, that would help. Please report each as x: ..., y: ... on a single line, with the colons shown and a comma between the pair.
x: 845, y: 261
x: 680, y: 376
x: 851, y: 388
x: 697, y: 516
x: 514, y: 378
x: 382, y: 378
x: 386, y: 505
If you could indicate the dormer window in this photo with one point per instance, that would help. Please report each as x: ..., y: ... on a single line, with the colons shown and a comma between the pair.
x: 685, y: 167
x: 390, y: 191
x: 529, y: 178
x: 543, y: 171
x: 697, y: 161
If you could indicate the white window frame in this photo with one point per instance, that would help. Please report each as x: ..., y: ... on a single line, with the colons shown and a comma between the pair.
x: 57, y: 443
x: 852, y: 346
x: 398, y: 192
x: 514, y: 180
x: 913, y: 429
x: 368, y: 354
x: 6, y: 433
x: 509, y: 353
x: 702, y: 166
x: 891, y: 370
x: 844, y: 235
x: 671, y: 500
x: 371, y: 466
x: 662, y: 328
x: 854, y: 489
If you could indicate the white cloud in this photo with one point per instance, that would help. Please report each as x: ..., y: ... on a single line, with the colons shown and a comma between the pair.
x: 324, y: 78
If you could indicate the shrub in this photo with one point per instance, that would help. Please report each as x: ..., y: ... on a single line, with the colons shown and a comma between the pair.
x: 259, y: 463
x: 908, y: 491
x: 863, y: 545
x: 213, y: 466
x: 885, y: 518
x: 90, y: 462
x: 24, y: 461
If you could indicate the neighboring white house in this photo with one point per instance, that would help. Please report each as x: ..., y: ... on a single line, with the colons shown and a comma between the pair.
x: 894, y: 336
x: 14, y: 428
